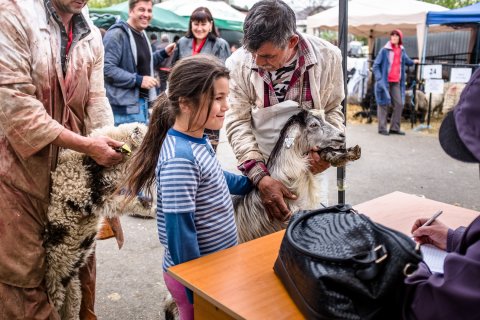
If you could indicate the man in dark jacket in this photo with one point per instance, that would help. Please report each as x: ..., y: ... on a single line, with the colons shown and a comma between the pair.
x: 129, y: 64
x: 455, y: 294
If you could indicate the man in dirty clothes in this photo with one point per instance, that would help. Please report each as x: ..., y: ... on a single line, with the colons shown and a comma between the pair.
x: 52, y: 95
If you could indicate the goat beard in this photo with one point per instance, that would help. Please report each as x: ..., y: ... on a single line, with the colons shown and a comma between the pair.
x: 340, y: 156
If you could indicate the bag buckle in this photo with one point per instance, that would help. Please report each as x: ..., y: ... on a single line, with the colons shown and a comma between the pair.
x: 409, y: 269
x: 380, y: 250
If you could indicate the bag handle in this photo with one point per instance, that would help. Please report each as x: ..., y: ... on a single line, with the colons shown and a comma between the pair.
x: 376, y: 256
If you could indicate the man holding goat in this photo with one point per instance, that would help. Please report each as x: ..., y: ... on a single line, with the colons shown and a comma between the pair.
x: 274, y: 75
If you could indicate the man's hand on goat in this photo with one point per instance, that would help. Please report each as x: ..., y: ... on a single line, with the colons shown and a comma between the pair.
x: 101, y: 149
x: 272, y: 193
x: 317, y: 165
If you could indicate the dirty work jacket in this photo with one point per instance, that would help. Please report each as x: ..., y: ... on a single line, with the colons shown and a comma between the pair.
x: 36, y: 103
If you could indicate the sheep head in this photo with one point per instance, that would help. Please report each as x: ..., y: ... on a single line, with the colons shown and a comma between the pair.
x: 131, y: 134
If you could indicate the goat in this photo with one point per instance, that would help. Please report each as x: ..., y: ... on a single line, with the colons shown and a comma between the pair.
x: 289, y: 164
x: 81, y: 194
x: 422, y: 102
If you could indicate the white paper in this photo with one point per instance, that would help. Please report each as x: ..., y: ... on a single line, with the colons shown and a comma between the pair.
x: 434, y: 86
x: 432, y: 71
x: 433, y: 257
x: 460, y: 75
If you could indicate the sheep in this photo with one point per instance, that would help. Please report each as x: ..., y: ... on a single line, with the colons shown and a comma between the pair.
x: 452, y: 95
x: 289, y: 164
x: 81, y: 194
x: 421, y: 103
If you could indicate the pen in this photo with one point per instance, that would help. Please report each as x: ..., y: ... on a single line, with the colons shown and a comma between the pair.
x: 433, y: 218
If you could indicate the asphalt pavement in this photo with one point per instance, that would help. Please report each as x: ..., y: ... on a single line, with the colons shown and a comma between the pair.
x: 130, y: 283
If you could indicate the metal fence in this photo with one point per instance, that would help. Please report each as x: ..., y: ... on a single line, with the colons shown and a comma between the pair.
x: 443, y: 45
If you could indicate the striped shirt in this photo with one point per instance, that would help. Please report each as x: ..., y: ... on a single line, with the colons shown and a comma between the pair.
x: 281, y: 78
x: 194, y: 208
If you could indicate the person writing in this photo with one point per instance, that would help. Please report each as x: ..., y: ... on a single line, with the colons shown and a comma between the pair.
x: 202, y: 37
x: 194, y: 209
x: 389, y: 72
x: 276, y: 73
x: 52, y: 93
x: 455, y: 293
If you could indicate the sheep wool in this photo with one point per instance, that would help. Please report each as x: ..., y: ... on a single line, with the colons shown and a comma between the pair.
x: 81, y: 194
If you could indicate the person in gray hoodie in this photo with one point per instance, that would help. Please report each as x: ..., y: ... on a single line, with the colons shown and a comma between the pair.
x: 129, y: 64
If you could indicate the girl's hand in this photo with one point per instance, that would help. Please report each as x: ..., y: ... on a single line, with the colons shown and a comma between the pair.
x: 435, y: 234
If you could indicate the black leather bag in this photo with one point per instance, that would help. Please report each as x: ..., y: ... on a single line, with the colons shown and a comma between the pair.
x: 338, y: 264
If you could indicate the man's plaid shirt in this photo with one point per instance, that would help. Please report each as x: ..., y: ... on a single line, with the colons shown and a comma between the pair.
x: 304, y: 62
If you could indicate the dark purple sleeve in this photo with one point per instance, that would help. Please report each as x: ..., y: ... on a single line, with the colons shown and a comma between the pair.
x: 454, y: 237
x: 454, y: 294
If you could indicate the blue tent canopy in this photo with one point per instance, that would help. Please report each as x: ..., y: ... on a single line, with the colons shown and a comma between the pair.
x: 469, y: 14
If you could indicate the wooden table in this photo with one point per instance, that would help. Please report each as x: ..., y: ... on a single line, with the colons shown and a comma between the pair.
x: 239, y: 283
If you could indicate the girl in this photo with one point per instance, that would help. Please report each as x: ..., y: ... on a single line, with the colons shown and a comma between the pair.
x: 194, y: 208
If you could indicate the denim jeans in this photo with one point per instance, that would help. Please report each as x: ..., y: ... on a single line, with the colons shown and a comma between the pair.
x: 141, y: 116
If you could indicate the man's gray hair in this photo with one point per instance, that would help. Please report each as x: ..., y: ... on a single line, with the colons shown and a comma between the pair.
x: 164, y: 38
x: 268, y: 21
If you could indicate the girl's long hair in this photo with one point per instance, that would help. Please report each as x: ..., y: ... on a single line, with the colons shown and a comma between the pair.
x: 191, y: 81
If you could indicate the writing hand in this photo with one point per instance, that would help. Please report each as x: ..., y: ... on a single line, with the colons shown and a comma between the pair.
x: 435, y: 234
x: 272, y: 193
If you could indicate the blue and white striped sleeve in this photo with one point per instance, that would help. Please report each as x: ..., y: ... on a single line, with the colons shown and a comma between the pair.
x: 178, y: 181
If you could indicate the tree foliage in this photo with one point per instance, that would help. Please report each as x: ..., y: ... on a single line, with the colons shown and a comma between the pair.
x: 108, y: 3
x: 452, y: 4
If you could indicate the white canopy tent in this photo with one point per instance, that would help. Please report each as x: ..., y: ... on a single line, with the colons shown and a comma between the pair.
x: 377, y: 18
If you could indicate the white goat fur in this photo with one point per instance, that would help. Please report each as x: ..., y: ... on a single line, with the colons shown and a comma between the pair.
x: 82, y: 194
x: 289, y: 165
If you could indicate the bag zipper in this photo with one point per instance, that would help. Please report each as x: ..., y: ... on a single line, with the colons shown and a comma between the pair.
x: 387, y: 230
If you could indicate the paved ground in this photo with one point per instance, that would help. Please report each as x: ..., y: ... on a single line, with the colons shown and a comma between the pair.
x: 130, y: 283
